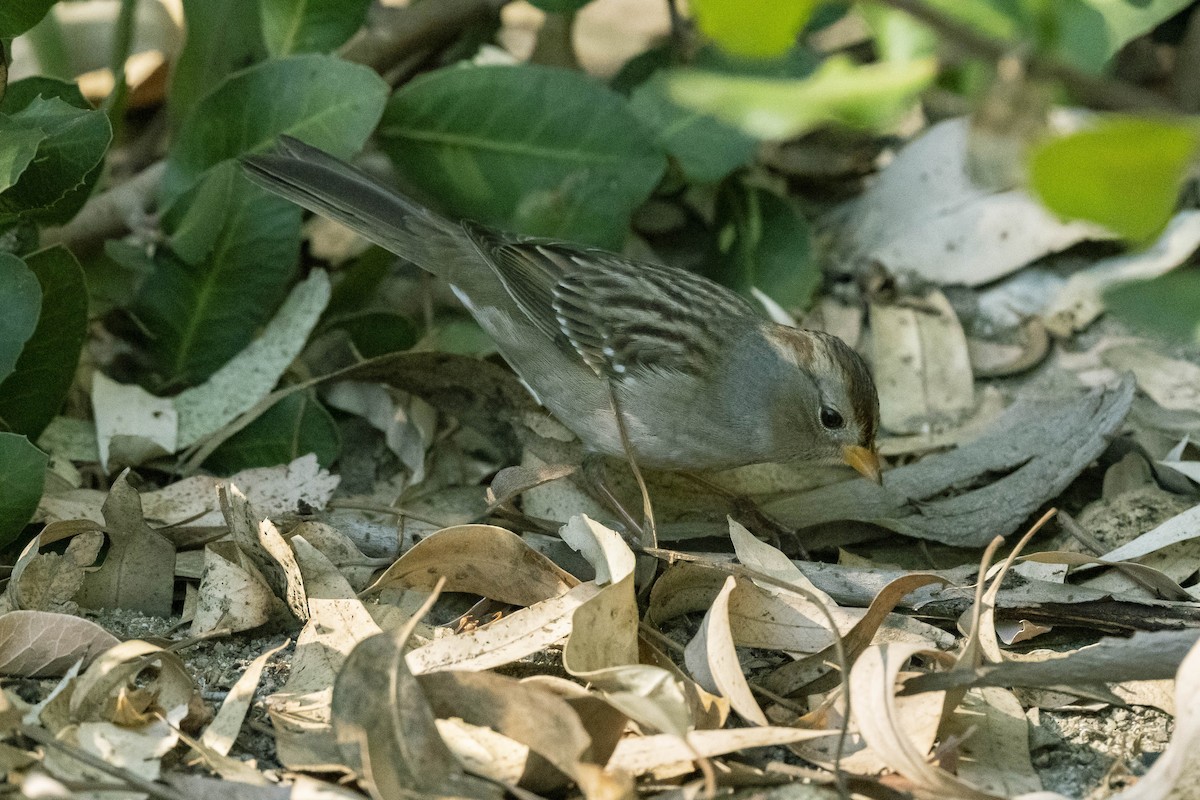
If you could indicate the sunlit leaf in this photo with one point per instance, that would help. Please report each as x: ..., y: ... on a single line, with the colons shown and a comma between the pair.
x: 753, y: 28
x: 869, y: 97
x: 1124, y: 173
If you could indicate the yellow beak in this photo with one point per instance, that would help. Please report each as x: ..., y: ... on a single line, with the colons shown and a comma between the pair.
x: 864, y: 461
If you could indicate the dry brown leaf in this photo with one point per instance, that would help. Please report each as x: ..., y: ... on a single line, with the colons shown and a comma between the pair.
x: 604, y: 629
x: 712, y: 659
x: 138, y: 572
x: 512, y: 637
x: 132, y: 425
x: 512, y: 482
x: 42, y: 644
x: 272, y: 491
x: 342, y: 552
x: 1171, y: 382
x: 993, y: 753
x: 922, y: 368
x: 337, y: 623
x: 94, y: 694
x: 50, y: 581
x: 642, y: 754
x: 261, y: 541
x: 892, y: 734
x: 480, y: 559
x: 538, y: 719
x: 233, y: 594
x: 221, y: 733
x: 386, y: 729
x: 798, y: 675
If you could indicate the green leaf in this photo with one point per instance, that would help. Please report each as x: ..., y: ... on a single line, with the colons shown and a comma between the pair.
x: 310, y: 26
x: 22, y: 478
x: 706, y: 148
x: 1168, y: 305
x: 223, y: 36
x: 233, y: 252
x: 18, y: 16
x: 765, y: 243
x: 33, y: 393
x: 1124, y: 173
x: 21, y: 93
x: 376, y: 333
x: 869, y: 97
x: 22, y: 305
x: 55, y: 184
x: 560, y: 6
x: 293, y: 427
x: 532, y: 149
x: 753, y: 28
x: 327, y: 102
x: 1090, y: 32
x: 17, y: 149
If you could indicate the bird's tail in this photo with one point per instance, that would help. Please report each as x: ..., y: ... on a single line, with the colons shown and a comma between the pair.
x: 323, y: 183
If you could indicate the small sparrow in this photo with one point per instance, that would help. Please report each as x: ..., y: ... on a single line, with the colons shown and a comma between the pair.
x: 701, y: 380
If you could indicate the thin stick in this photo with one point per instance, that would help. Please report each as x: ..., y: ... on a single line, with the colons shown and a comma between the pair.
x: 1100, y: 91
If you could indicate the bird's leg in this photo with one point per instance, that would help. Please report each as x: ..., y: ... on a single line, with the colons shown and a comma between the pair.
x: 596, y: 485
x: 649, y: 529
x: 775, y: 533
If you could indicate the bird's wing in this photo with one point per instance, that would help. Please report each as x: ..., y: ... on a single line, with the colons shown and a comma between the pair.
x: 616, y: 315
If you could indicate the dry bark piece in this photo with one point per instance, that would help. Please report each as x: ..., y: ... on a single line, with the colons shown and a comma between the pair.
x: 1037, y: 447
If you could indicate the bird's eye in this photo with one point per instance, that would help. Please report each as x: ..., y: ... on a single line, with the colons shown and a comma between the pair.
x: 831, y: 419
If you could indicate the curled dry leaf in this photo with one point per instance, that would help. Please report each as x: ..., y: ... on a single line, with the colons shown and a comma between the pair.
x: 889, y: 731
x: 386, y: 729
x: 95, y: 693
x: 993, y: 743
x: 50, y: 581
x: 221, y: 733
x: 342, y: 552
x: 511, y: 482
x: 603, y: 629
x: 539, y: 719
x: 138, y: 572
x: 233, y: 594
x: 480, y: 559
x: 337, y: 622
x: 41, y: 644
x: 712, y: 659
x: 799, y: 676
x: 262, y: 543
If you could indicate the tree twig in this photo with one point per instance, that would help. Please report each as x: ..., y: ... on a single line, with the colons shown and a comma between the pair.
x: 1093, y: 89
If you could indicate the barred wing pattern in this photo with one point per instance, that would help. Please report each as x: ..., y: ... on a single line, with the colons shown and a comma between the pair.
x: 616, y: 315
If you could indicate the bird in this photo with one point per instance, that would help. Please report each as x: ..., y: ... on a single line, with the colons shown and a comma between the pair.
x: 638, y: 359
